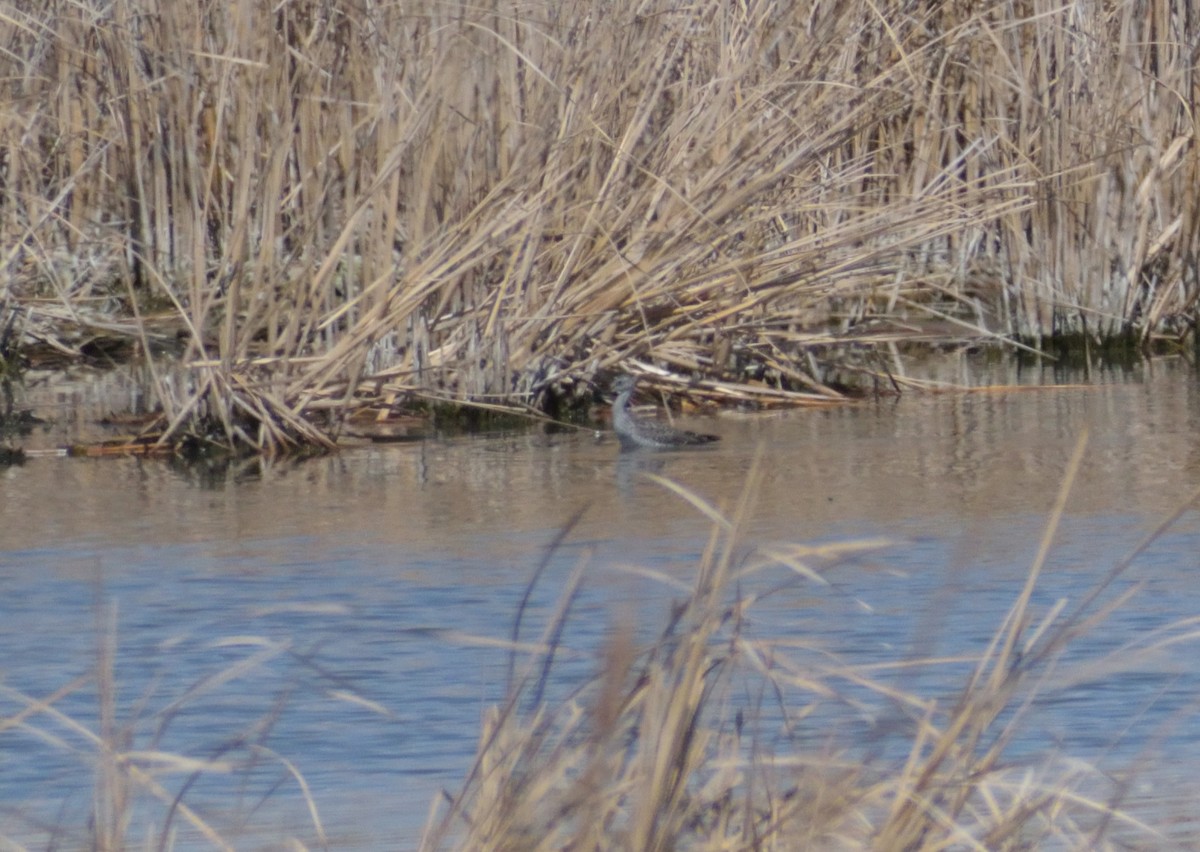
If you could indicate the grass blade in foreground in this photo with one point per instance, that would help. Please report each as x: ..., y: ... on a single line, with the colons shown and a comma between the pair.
x: 660, y: 752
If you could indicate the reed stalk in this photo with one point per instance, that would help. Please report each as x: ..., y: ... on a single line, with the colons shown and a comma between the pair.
x: 312, y: 207
x: 676, y: 743
x: 140, y: 796
x: 703, y: 734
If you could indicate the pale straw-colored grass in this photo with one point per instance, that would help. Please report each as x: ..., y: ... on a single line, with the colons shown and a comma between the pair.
x: 140, y: 796
x: 669, y: 747
x: 705, y: 734
x: 330, y: 205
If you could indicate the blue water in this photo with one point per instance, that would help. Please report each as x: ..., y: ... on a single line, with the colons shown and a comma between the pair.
x: 350, y: 614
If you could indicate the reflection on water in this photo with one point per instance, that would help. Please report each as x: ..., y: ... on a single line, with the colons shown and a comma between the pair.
x: 364, y: 595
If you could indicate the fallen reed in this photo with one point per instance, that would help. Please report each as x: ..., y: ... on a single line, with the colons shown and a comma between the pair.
x: 313, y: 207
x: 676, y: 743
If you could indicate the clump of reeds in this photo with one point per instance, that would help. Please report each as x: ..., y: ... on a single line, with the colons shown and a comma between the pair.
x: 140, y: 789
x: 329, y: 207
x: 670, y: 748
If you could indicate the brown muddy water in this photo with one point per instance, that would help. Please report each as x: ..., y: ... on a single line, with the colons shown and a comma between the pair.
x: 340, y: 612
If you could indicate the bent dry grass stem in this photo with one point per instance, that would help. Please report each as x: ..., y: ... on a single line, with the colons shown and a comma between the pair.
x: 493, y: 205
x: 659, y: 752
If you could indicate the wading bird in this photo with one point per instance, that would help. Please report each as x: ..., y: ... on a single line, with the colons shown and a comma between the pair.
x: 636, y: 433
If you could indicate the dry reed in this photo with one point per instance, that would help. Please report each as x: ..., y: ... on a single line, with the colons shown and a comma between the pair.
x: 668, y: 747
x: 326, y: 205
x: 676, y: 744
x: 140, y: 789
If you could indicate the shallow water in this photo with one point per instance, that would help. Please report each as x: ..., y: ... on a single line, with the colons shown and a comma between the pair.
x: 362, y: 591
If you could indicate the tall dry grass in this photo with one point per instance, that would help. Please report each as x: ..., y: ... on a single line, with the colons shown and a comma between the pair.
x: 706, y: 736
x: 143, y: 794
x: 694, y: 740
x: 328, y: 204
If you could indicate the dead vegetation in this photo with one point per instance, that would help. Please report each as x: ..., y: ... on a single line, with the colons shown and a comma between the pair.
x: 314, y: 206
x: 704, y: 735
x: 140, y: 797
x: 695, y: 740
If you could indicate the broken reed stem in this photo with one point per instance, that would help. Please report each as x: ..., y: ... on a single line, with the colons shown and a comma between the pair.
x: 488, y: 200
